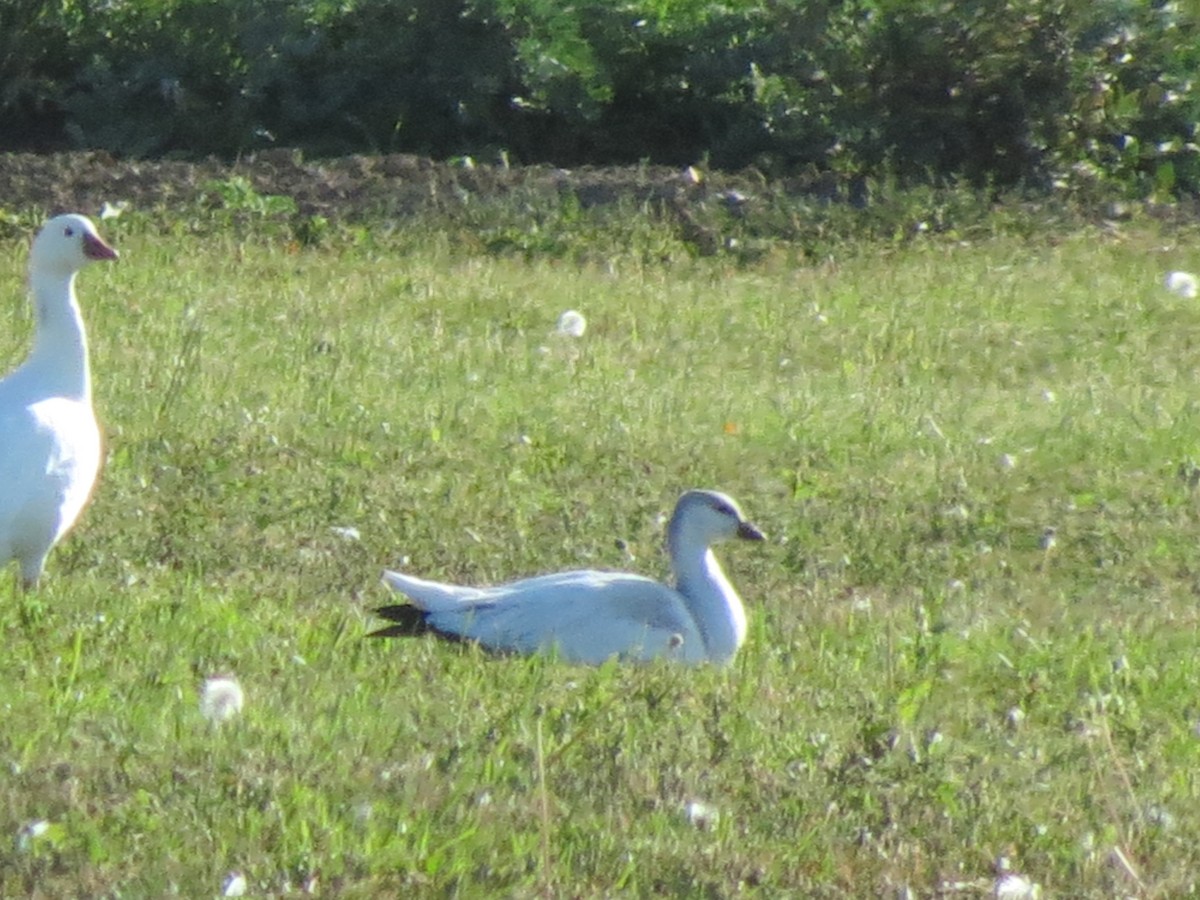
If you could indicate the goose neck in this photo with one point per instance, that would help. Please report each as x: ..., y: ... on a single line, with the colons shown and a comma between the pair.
x: 711, y: 598
x: 60, y: 351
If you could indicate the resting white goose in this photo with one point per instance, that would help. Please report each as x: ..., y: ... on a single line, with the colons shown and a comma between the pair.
x: 49, y: 439
x: 588, y: 616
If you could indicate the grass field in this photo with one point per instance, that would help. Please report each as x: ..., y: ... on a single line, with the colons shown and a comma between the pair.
x: 927, y: 696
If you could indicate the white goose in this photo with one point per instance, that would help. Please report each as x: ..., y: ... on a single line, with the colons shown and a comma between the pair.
x: 49, y: 439
x: 588, y: 616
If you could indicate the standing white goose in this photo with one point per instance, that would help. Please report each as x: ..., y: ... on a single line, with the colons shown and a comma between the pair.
x: 588, y: 616
x: 49, y: 439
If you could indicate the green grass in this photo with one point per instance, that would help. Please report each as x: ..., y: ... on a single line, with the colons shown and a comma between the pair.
x: 924, y: 690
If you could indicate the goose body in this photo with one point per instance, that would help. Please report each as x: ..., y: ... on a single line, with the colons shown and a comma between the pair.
x: 49, y: 439
x: 589, y: 616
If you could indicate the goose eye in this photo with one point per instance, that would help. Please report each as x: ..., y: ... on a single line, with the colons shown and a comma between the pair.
x: 69, y: 231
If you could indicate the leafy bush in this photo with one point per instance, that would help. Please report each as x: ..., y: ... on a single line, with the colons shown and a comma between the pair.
x: 1134, y: 102
x: 35, y: 64
x: 999, y: 92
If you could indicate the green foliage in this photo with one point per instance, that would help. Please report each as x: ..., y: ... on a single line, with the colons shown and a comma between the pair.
x: 36, y: 63
x: 1002, y: 92
x: 1135, y: 108
x: 236, y: 196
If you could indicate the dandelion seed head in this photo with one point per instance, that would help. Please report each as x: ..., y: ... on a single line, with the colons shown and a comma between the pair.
x: 571, y: 324
x: 221, y: 698
x: 1012, y: 886
x: 235, y: 885
x: 1182, y: 284
x: 30, y: 832
x: 700, y: 814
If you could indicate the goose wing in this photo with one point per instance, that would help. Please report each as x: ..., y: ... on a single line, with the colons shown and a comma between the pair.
x: 584, y: 616
x: 48, y: 467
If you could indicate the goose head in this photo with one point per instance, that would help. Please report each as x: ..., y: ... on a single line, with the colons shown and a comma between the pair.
x: 65, y: 245
x: 706, y: 517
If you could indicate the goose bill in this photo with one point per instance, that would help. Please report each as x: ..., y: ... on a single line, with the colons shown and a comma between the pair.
x: 748, y: 532
x: 95, y: 248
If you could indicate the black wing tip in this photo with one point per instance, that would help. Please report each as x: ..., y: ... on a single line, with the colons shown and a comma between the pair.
x: 408, y: 621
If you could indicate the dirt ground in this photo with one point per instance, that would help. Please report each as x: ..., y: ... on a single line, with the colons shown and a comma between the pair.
x: 709, y: 210
x: 352, y: 188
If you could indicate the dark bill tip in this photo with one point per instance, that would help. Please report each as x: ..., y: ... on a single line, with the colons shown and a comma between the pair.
x: 748, y: 532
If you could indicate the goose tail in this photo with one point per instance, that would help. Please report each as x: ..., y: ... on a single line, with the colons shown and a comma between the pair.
x: 430, y: 596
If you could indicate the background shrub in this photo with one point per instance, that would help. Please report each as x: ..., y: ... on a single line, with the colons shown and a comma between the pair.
x: 999, y: 92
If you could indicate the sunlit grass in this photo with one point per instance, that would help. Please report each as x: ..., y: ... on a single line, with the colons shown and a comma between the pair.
x: 925, y: 688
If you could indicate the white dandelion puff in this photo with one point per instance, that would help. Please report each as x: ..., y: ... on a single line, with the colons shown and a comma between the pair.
x: 235, y: 885
x: 571, y: 324
x: 1006, y: 462
x: 701, y: 815
x: 30, y: 832
x: 1012, y: 886
x: 1182, y: 284
x: 221, y: 699
x: 347, y: 532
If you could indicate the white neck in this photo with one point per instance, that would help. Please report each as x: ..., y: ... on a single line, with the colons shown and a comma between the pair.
x: 712, y: 600
x: 58, y: 364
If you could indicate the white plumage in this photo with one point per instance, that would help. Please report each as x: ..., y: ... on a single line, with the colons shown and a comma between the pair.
x: 589, y: 616
x: 49, y: 439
